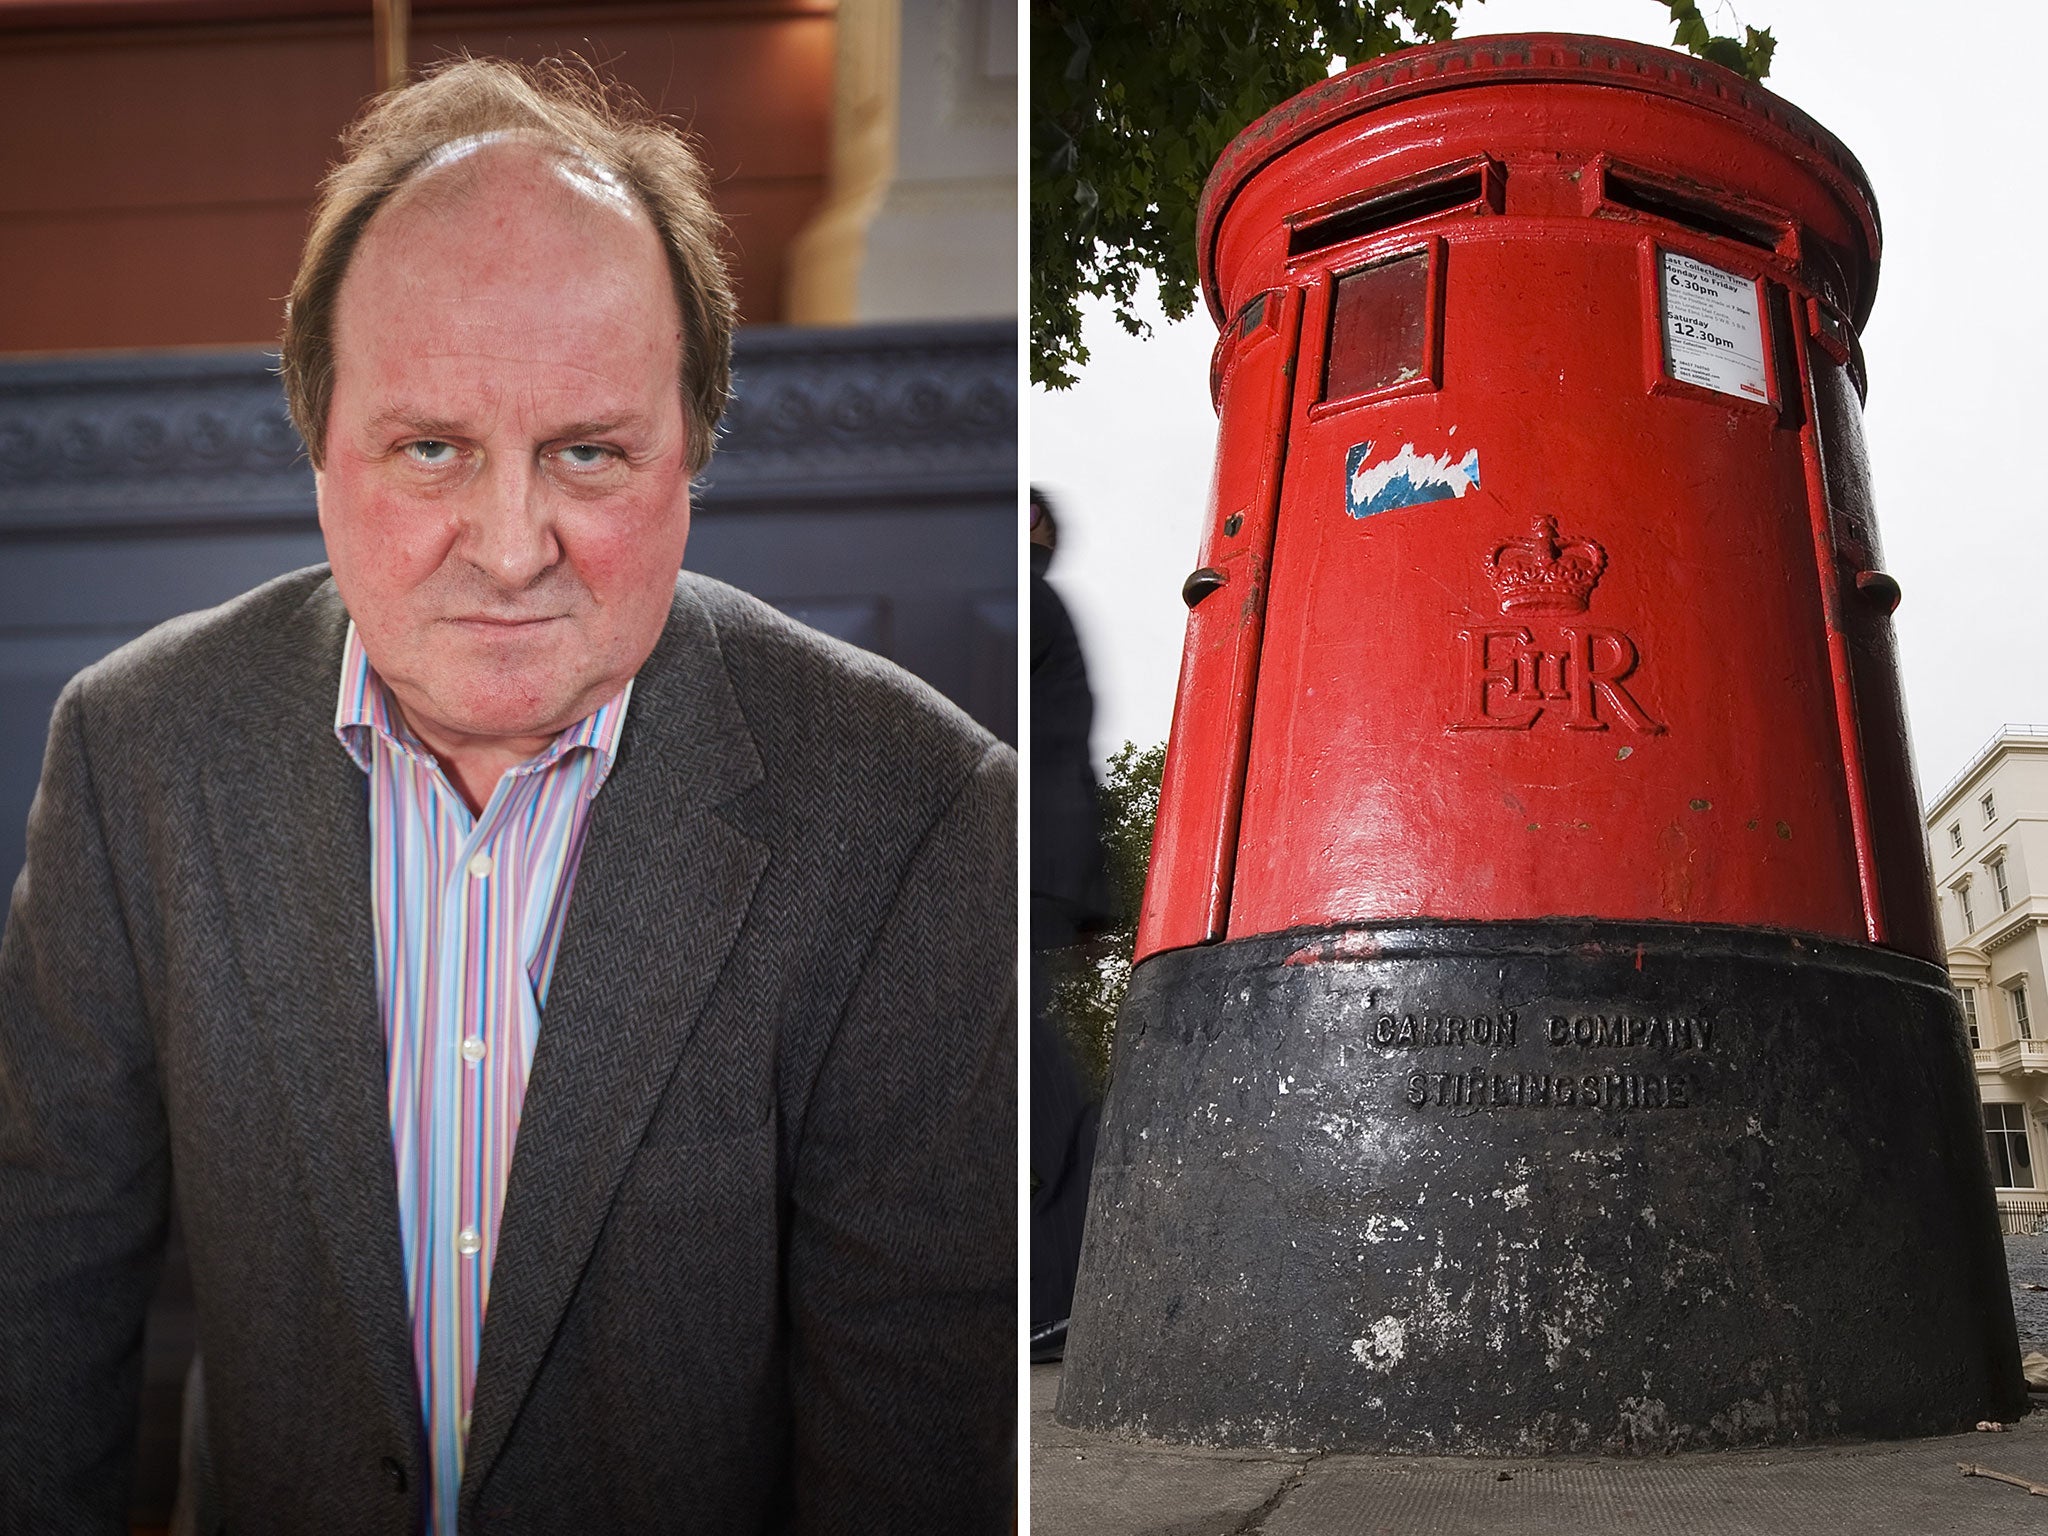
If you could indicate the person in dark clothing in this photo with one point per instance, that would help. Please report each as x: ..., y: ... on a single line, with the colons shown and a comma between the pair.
x: 1069, y: 898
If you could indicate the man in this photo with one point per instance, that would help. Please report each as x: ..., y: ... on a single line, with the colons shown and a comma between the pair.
x: 686, y: 1204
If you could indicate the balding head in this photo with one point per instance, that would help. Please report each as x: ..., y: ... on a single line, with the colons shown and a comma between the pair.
x: 506, y: 249
x: 434, y: 140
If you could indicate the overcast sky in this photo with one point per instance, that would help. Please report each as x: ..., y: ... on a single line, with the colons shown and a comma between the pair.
x: 1946, y: 132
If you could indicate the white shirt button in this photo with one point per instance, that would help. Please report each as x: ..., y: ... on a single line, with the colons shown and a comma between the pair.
x: 467, y: 1242
x: 473, y: 1050
x: 481, y: 866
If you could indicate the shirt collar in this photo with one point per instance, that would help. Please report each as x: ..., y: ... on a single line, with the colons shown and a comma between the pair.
x: 364, y: 713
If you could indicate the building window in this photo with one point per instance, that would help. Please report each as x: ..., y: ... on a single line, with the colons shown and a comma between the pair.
x: 1997, y: 868
x: 2021, y: 1024
x: 1990, y: 809
x: 2005, y: 1138
x: 1969, y: 997
x: 1955, y: 837
x: 1963, y: 901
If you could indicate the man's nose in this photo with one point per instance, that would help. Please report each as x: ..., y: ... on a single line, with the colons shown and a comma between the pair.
x: 509, y: 532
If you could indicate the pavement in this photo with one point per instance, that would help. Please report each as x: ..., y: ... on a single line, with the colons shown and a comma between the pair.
x: 2026, y: 1261
x: 1089, y: 1485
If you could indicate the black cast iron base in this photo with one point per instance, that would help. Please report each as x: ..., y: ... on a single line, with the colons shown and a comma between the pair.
x: 1538, y: 1188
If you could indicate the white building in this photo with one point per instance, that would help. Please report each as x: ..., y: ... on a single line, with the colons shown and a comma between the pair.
x: 920, y: 219
x: 1987, y: 837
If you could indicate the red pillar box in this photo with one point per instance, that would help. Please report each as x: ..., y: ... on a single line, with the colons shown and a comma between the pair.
x: 1539, y: 1039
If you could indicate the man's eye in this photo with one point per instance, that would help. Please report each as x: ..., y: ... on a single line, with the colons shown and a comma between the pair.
x: 585, y: 455
x: 432, y: 452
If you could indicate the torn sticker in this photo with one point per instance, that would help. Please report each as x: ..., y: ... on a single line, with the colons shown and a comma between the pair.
x: 1406, y: 479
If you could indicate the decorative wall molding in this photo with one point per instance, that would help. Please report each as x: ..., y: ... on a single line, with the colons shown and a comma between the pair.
x: 869, y: 413
x: 97, y: 443
x: 2011, y: 928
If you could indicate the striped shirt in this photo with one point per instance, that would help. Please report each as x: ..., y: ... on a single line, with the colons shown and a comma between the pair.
x: 467, y: 912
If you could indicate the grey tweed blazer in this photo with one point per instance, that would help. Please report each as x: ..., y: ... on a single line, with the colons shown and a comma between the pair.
x: 757, y: 1265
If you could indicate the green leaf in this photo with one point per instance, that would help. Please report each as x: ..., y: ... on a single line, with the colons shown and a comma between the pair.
x: 1724, y: 51
x: 1089, y: 979
x: 1758, y: 49
x: 1750, y: 57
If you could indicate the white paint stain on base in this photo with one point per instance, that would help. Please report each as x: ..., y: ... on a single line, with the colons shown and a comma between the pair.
x: 1383, y: 1347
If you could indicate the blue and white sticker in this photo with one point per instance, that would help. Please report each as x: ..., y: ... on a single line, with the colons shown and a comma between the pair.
x: 1404, y: 479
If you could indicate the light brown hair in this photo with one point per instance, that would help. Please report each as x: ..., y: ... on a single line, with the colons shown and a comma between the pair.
x: 563, y: 105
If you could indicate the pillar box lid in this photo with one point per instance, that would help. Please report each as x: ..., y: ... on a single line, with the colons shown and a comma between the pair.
x: 1541, y: 59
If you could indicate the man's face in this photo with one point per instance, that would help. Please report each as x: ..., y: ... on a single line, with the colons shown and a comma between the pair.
x: 505, y: 493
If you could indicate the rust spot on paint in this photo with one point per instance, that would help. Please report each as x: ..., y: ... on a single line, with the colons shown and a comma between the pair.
x: 1674, y: 870
x: 1347, y: 946
x: 1785, y: 832
x: 1623, y: 753
x: 1703, y: 805
x: 1254, y: 600
x: 1357, y: 946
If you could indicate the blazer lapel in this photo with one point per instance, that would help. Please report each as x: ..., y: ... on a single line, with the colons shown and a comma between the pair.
x: 290, y: 828
x: 662, y: 889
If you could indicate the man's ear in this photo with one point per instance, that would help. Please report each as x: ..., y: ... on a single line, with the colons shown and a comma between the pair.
x: 320, y: 496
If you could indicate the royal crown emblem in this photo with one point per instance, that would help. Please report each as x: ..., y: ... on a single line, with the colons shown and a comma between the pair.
x: 1544, y: 573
